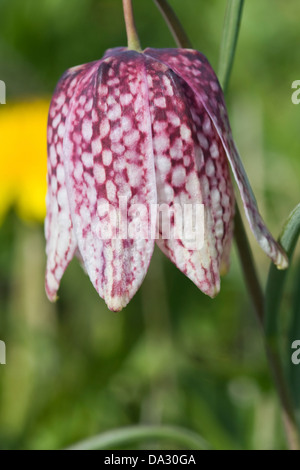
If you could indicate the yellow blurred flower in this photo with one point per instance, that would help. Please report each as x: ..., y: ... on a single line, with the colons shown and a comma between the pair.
x: 23, y: 158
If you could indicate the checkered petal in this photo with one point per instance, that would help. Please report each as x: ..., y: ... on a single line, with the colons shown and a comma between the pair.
x: 110, y: 175
x: 195, y: 70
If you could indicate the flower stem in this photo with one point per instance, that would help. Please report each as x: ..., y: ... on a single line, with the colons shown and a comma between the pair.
x: 228, y: 47
x: 174, y: 24
x: 248, y: 266
x: 132, y: 36
x: 271, y: 346
x: 229, y: 41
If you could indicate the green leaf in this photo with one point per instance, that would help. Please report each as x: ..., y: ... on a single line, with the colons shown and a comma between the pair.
x: 174, y: 24
x: 294, y: 335
x: 231, y: 29
x: 277, y: 278
x: 136, y: 434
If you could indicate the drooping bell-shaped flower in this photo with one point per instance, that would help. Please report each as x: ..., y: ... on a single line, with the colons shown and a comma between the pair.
x: 149, y: 128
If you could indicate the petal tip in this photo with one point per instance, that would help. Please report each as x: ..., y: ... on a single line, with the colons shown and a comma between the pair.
x: 214, y: 292
x: 116, y: 304
x: 51, y: 287
x: 211, y: 289
x: 51, y: 295
x: 282, y: 261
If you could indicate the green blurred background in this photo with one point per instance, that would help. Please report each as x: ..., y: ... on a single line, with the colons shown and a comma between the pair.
x: 173, y: 356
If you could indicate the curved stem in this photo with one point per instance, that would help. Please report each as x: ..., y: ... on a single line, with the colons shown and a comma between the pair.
x: 248, y: 266
x: 132, y: 36
x: 274, y: 291
x: 134, y: 434
x: 276, y: 278
x: 228, y: 47
x: 174, y: 24
x: 271, y: 345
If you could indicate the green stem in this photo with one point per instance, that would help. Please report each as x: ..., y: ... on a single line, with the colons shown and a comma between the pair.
x: 229, y: 42
x: 228, y: 48
x: 276, y: 278
x: 134, y: 434
x: 132, y: 36
x: 271, y: 346
x: 174, y: 24
x: 231, y: 29
x: 248, y: 266
x: 274, y: 291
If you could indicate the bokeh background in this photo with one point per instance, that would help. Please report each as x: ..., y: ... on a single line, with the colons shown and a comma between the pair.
x: 173, y: 356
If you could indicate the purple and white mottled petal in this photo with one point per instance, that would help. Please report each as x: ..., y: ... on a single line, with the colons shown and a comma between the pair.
x: 60, y: 239
x: 187, y: 175
x: 111, y: 177
x: 221, y: 199
x: 196, y: 71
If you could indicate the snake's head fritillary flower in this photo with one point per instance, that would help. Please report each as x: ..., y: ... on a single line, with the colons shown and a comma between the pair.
x: 150, y: 127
